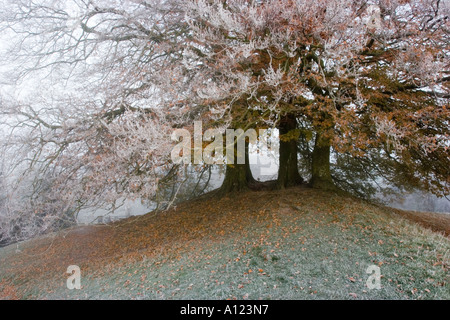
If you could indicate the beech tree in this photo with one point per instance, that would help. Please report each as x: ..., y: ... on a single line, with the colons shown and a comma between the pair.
x: 350, y: 67
x: 365, y: 80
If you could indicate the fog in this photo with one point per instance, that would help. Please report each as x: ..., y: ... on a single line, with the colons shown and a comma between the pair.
x: 421, y: 201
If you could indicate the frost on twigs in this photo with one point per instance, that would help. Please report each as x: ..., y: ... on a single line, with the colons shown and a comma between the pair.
x: 97, y: 88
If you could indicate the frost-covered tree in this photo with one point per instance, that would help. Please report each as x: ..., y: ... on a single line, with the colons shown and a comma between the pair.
x: 84, y: 86
x: 365, y: 74
x: 92, y: 91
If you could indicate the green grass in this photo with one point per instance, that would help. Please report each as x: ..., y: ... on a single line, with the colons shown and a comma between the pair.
x: 316, y: 247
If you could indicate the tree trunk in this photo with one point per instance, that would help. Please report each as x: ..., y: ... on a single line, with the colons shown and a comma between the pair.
x: 235, y: 179
x: 321, y: 173
x: 248, y: 171
x: 288, y: 167
x: 238, y: 177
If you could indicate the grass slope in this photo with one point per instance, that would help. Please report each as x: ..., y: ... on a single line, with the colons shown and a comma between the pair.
x: 292, y: 244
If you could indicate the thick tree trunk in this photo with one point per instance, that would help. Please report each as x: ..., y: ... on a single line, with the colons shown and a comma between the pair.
x: 321, y: 173
x: 288, y: 169
x: 238, y: 177
x: 235, y: 179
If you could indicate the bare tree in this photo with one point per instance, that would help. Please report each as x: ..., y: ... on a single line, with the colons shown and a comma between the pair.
x: 87, y: 82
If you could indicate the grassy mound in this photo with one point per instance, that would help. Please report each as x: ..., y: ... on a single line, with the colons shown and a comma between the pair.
x: 291, y: 244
